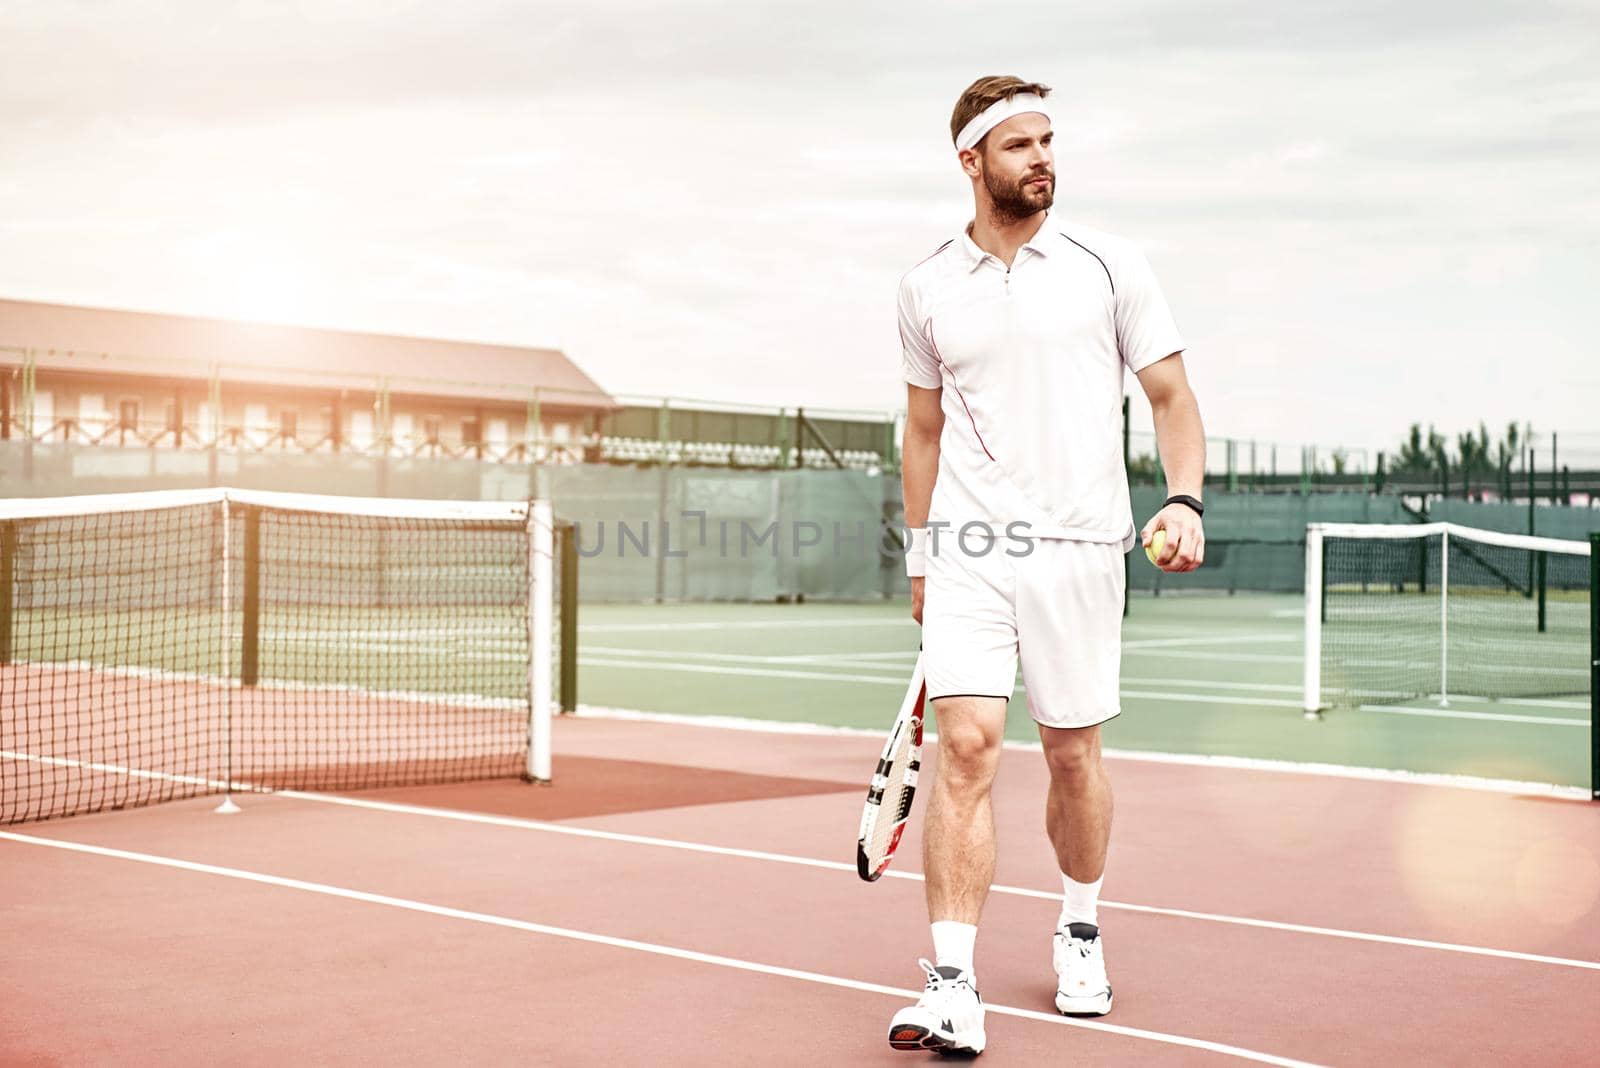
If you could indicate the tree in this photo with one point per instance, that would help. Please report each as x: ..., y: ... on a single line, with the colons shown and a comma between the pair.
x: 1438, y: 450
x: 1474, y: 453
x: 1509, y: 448
x: 1472, y: 450
x: 1413, y: 458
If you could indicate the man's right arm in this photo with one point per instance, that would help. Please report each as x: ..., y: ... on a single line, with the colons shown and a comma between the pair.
x: 919, y: 453
x: 919, y: 466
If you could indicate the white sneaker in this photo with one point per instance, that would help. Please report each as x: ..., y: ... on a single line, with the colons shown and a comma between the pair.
x: 1082, y: 988
x: 948, y: 1017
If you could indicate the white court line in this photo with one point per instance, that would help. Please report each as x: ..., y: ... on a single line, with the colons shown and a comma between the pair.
x: 653, y: 948
x: 1212, y: 699
x: 1243, y: 658
x: 845, y: 660
x: 1574, y: 652
x: 728, y: 669
x: 755, y: 624
x: 1150, y: 695
x: 1224, y: 639
x: 1531, y: 702
x: 1212, y: 684
x: 900, y: 661
x: 1238, y: 763
x: 892, y: 662
x: 115, y: 769
x: 217, y: 682
x: 1398, y: 710
x: 1474, y: 699
x: 1502, y: 717
x: 833, y: 865
x: 904, y: 659
x: 1513, y: 787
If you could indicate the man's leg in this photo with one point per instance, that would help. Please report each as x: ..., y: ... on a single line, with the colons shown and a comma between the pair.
x: 958, y: 835
x: 1078, y: 820
x: 958, y: 859
x: 969, y: 652
x: 1077, y: 813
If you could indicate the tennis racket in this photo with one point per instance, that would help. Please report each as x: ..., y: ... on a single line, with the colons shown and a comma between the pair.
x: 883, y: 820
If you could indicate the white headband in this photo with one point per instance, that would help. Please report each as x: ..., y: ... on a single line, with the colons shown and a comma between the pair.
x: 995, y: 114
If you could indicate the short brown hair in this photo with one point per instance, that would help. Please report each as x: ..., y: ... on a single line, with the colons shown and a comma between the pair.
x: 978, y: 97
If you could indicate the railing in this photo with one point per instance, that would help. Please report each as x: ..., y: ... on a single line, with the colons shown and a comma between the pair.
x: 265, y: 439
x: 590, y: 448
x: 673, y: 431
x: 1243, y: 464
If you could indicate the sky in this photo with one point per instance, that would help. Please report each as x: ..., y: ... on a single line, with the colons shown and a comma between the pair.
x: 1364, y: 214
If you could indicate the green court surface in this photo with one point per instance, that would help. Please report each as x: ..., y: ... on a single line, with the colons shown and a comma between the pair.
x: 1201, y: 674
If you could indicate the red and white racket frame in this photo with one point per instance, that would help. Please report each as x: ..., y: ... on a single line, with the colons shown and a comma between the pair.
x: 909, y: 719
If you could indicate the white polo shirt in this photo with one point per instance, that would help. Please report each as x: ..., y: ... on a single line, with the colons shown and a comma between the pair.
x: 1030, y: 360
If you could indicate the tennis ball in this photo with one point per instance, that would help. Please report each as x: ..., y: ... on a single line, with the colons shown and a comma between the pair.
x: 1158, y: 541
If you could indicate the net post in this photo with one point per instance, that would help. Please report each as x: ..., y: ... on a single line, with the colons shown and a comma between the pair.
x: 1539, y: 556
x: 1311, y: 697
x: 1444, y: 617
x: 1555, y: 469
x: 8, y: 572
x: 1322, y: 578
x: 568, y: 618
x: 1594, y: 665
x: 227, y: 807
x: 540, y: 581
x: 1532, y: 522
x: 250, y: 625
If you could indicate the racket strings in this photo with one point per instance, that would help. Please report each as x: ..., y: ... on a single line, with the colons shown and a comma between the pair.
x: 896, y: 803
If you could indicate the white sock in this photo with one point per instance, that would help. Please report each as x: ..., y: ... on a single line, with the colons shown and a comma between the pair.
x: 1080, y: 902
x: 952, y: 944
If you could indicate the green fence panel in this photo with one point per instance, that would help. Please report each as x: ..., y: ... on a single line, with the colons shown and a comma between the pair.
x: 713, y: 534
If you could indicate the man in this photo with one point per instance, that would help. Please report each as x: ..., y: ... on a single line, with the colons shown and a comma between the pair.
x: 1015, y: 336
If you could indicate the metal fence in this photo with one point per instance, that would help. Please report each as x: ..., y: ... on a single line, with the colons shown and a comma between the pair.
x: 686, y: 533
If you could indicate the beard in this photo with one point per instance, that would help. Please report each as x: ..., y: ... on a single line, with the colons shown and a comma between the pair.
x: 1018, y: 200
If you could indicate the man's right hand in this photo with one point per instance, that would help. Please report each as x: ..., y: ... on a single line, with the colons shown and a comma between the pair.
x: 917, y: 585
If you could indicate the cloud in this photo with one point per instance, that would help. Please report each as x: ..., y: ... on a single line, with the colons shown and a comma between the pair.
x: 716, y: 200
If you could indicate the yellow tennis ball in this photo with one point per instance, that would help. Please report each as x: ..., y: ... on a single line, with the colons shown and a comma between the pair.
x: 1158, y: 541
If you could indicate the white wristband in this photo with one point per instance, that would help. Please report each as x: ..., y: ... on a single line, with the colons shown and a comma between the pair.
x: 916, y: 552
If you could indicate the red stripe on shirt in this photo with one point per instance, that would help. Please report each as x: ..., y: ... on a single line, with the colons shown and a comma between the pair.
x: 959, y: 395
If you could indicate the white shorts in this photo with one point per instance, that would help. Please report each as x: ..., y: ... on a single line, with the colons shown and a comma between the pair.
x: 1058, y: 609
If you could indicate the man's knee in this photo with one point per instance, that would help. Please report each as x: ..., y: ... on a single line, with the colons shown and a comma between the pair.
x: 1073, y: 756
x: 969, y: 752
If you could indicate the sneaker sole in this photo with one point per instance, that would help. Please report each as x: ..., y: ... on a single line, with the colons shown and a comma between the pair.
x: 1083, y: 1006
x: 916, y: 1039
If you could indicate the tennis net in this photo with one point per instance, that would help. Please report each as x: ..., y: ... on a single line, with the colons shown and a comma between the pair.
x: 1444, y: 613
x: 163, y: 645
x: 1438, y: 610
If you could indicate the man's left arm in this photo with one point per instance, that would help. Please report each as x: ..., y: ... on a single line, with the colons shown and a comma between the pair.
x: 1182, y: 441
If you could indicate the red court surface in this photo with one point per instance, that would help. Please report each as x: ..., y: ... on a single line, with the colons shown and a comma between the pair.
x: 623, y: 916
